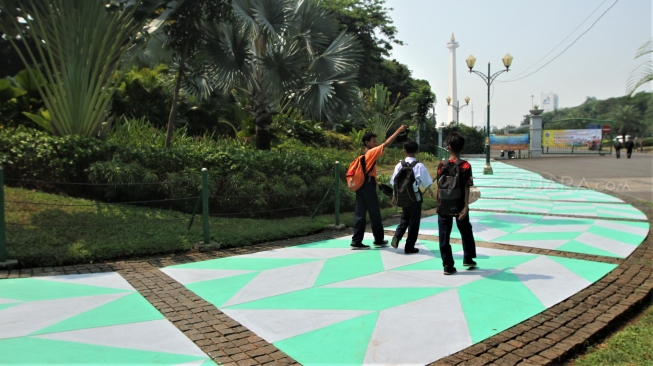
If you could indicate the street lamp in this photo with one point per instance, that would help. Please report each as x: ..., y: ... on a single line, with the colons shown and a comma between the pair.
x: 488, y: 79
x: 457, y: 108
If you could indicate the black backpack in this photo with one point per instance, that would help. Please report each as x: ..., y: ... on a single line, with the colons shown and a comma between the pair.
x: 404, y: 193
x: 451, y: 200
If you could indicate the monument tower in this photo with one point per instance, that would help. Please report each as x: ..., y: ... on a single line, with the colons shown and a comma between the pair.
x: 453, y: 89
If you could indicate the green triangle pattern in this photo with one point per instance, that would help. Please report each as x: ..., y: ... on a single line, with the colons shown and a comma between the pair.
x: 487, y: 318
x: 504, y: 285
x: 129, y: 309
x: 577, y: 247
x: 618, y: 235
x: 502, y: 262
x: 36, y: 351
x: 331, y: 243
x: 252, y: 264
x: 325, y: 298
x: 219, y: 291
x: 350, y: 266
x: 343, y: 343
x: 4, y: 306
x: 29, y: 289
x: 591, y: 271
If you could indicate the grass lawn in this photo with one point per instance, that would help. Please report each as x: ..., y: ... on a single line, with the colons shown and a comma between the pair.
x: 90, y: 232
x: 631, y: 346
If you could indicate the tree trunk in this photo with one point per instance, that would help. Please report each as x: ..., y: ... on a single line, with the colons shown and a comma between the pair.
x: 175, y: 97
x: 263, y: 135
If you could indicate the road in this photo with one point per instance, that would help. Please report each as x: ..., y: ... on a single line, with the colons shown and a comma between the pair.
x: 632, y: 177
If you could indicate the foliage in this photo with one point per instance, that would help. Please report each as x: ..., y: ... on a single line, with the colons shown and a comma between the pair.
x: 370, y: 21
x: 647, y: 141
x: 79, y: 74
x: 284, y: 54
x: 242, y: 180
x: 20, y: 95
x: 185, y: 31
x: 356, y: 137
x: 336, y: 140
x: 381, y: 115
x: 628, y: 120
x: 93, y: 232
x: 645, y: 71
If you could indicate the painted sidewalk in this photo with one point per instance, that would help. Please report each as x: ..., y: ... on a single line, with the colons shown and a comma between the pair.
x: 87, y: 319
x: 605, y: 225
x: 322, y: 303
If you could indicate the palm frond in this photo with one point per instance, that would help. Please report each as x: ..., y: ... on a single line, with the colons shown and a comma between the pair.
x: 272, y: 17
x: 339, y: 56
x: 80, y: 45
x: 284, y: 67
x: 642, y: 75
x: 313, y: 25
x: 645, y: 49
x: 228, y: 47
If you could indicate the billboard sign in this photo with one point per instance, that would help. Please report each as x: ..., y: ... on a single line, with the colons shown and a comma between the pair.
x: 509, y: 142
x: 589, y: 138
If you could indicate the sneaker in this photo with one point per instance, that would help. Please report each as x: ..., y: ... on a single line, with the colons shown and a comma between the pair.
x: 395, y: 242
x: 359, y: 246
x: 381, y: 244
x: 411, y: 251
x: 468, y: 262
x: 449, y: 270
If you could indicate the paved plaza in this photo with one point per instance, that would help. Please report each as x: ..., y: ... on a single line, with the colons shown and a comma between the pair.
x: 320, y: 303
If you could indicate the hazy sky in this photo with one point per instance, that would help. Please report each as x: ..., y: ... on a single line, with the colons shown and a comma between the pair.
x: 598, y: 65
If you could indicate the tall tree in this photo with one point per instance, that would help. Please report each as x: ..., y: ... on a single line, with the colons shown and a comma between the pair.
x: 185, y: 31
x: 370, y: 21
x: 283, y: 55
x: 628, y: 120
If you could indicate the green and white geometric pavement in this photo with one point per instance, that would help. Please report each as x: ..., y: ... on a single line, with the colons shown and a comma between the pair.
x: 567, y: 194
x: 603, y: 226
x: 324, y: 304
x: 587, y: 209
x: 578, y: 235
x: 87, y: 319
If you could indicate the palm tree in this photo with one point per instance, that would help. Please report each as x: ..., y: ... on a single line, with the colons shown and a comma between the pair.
x: 283, y: 55
x: 645, y: 73
x: 628, y: 120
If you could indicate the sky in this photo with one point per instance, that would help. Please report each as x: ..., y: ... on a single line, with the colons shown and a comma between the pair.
x: 597, y: 65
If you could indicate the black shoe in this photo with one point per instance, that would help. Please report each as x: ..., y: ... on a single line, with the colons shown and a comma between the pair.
x: 359, y: 246
x: 395, y: 242
x: 381, y: 244
x: 468, y: 262
x: 411, y: 251
x: 449, y: 270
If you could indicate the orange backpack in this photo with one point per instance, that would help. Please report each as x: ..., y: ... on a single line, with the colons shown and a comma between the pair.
x: 357, y: 173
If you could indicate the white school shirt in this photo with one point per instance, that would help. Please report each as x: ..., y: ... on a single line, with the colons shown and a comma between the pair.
x: 422, y: 176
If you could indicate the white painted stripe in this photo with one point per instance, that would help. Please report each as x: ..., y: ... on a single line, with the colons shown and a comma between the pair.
x: 607, y: 244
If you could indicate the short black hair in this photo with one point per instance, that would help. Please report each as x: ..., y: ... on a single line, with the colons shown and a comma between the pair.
x: 368, y: 136
x: 456, y: 142
x: 411, y: 147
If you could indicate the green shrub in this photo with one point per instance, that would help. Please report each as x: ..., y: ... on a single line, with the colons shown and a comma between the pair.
x: 242, y: 180
x: 337, y: 141
x: 648, y: 141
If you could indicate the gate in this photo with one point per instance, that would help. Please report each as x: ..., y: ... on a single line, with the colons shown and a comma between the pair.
x: 577, y: 136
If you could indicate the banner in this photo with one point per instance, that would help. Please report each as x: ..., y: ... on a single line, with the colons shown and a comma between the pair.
x: 590, y: 139
x: 509, y: 142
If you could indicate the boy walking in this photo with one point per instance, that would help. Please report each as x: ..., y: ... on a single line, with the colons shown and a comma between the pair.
x: 454, y: 181
x: 367, y: 199
x: 408, y: 177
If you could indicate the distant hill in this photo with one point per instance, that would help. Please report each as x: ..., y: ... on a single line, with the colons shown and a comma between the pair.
x: 605, y: 109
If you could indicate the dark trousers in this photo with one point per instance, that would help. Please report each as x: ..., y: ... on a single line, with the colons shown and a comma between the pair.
x: 445, y: 223
x: 410, y: 219
x: 629, y: 152
x: 618, y: 151
x: 367, y: 200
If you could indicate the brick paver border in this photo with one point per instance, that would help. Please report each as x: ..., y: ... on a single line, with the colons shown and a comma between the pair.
x: 545, y: 339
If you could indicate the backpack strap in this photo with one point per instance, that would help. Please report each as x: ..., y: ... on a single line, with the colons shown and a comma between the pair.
x: 412, y: 164
x: 459, y: 162
x: 366, y: 171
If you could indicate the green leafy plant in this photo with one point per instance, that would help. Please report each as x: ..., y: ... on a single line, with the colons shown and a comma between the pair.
x: 285, y: 54
x: 78, y: 64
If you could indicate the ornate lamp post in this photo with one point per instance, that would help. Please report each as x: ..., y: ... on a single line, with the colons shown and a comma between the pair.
x: 488, y: 79
x: 457, y: 108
